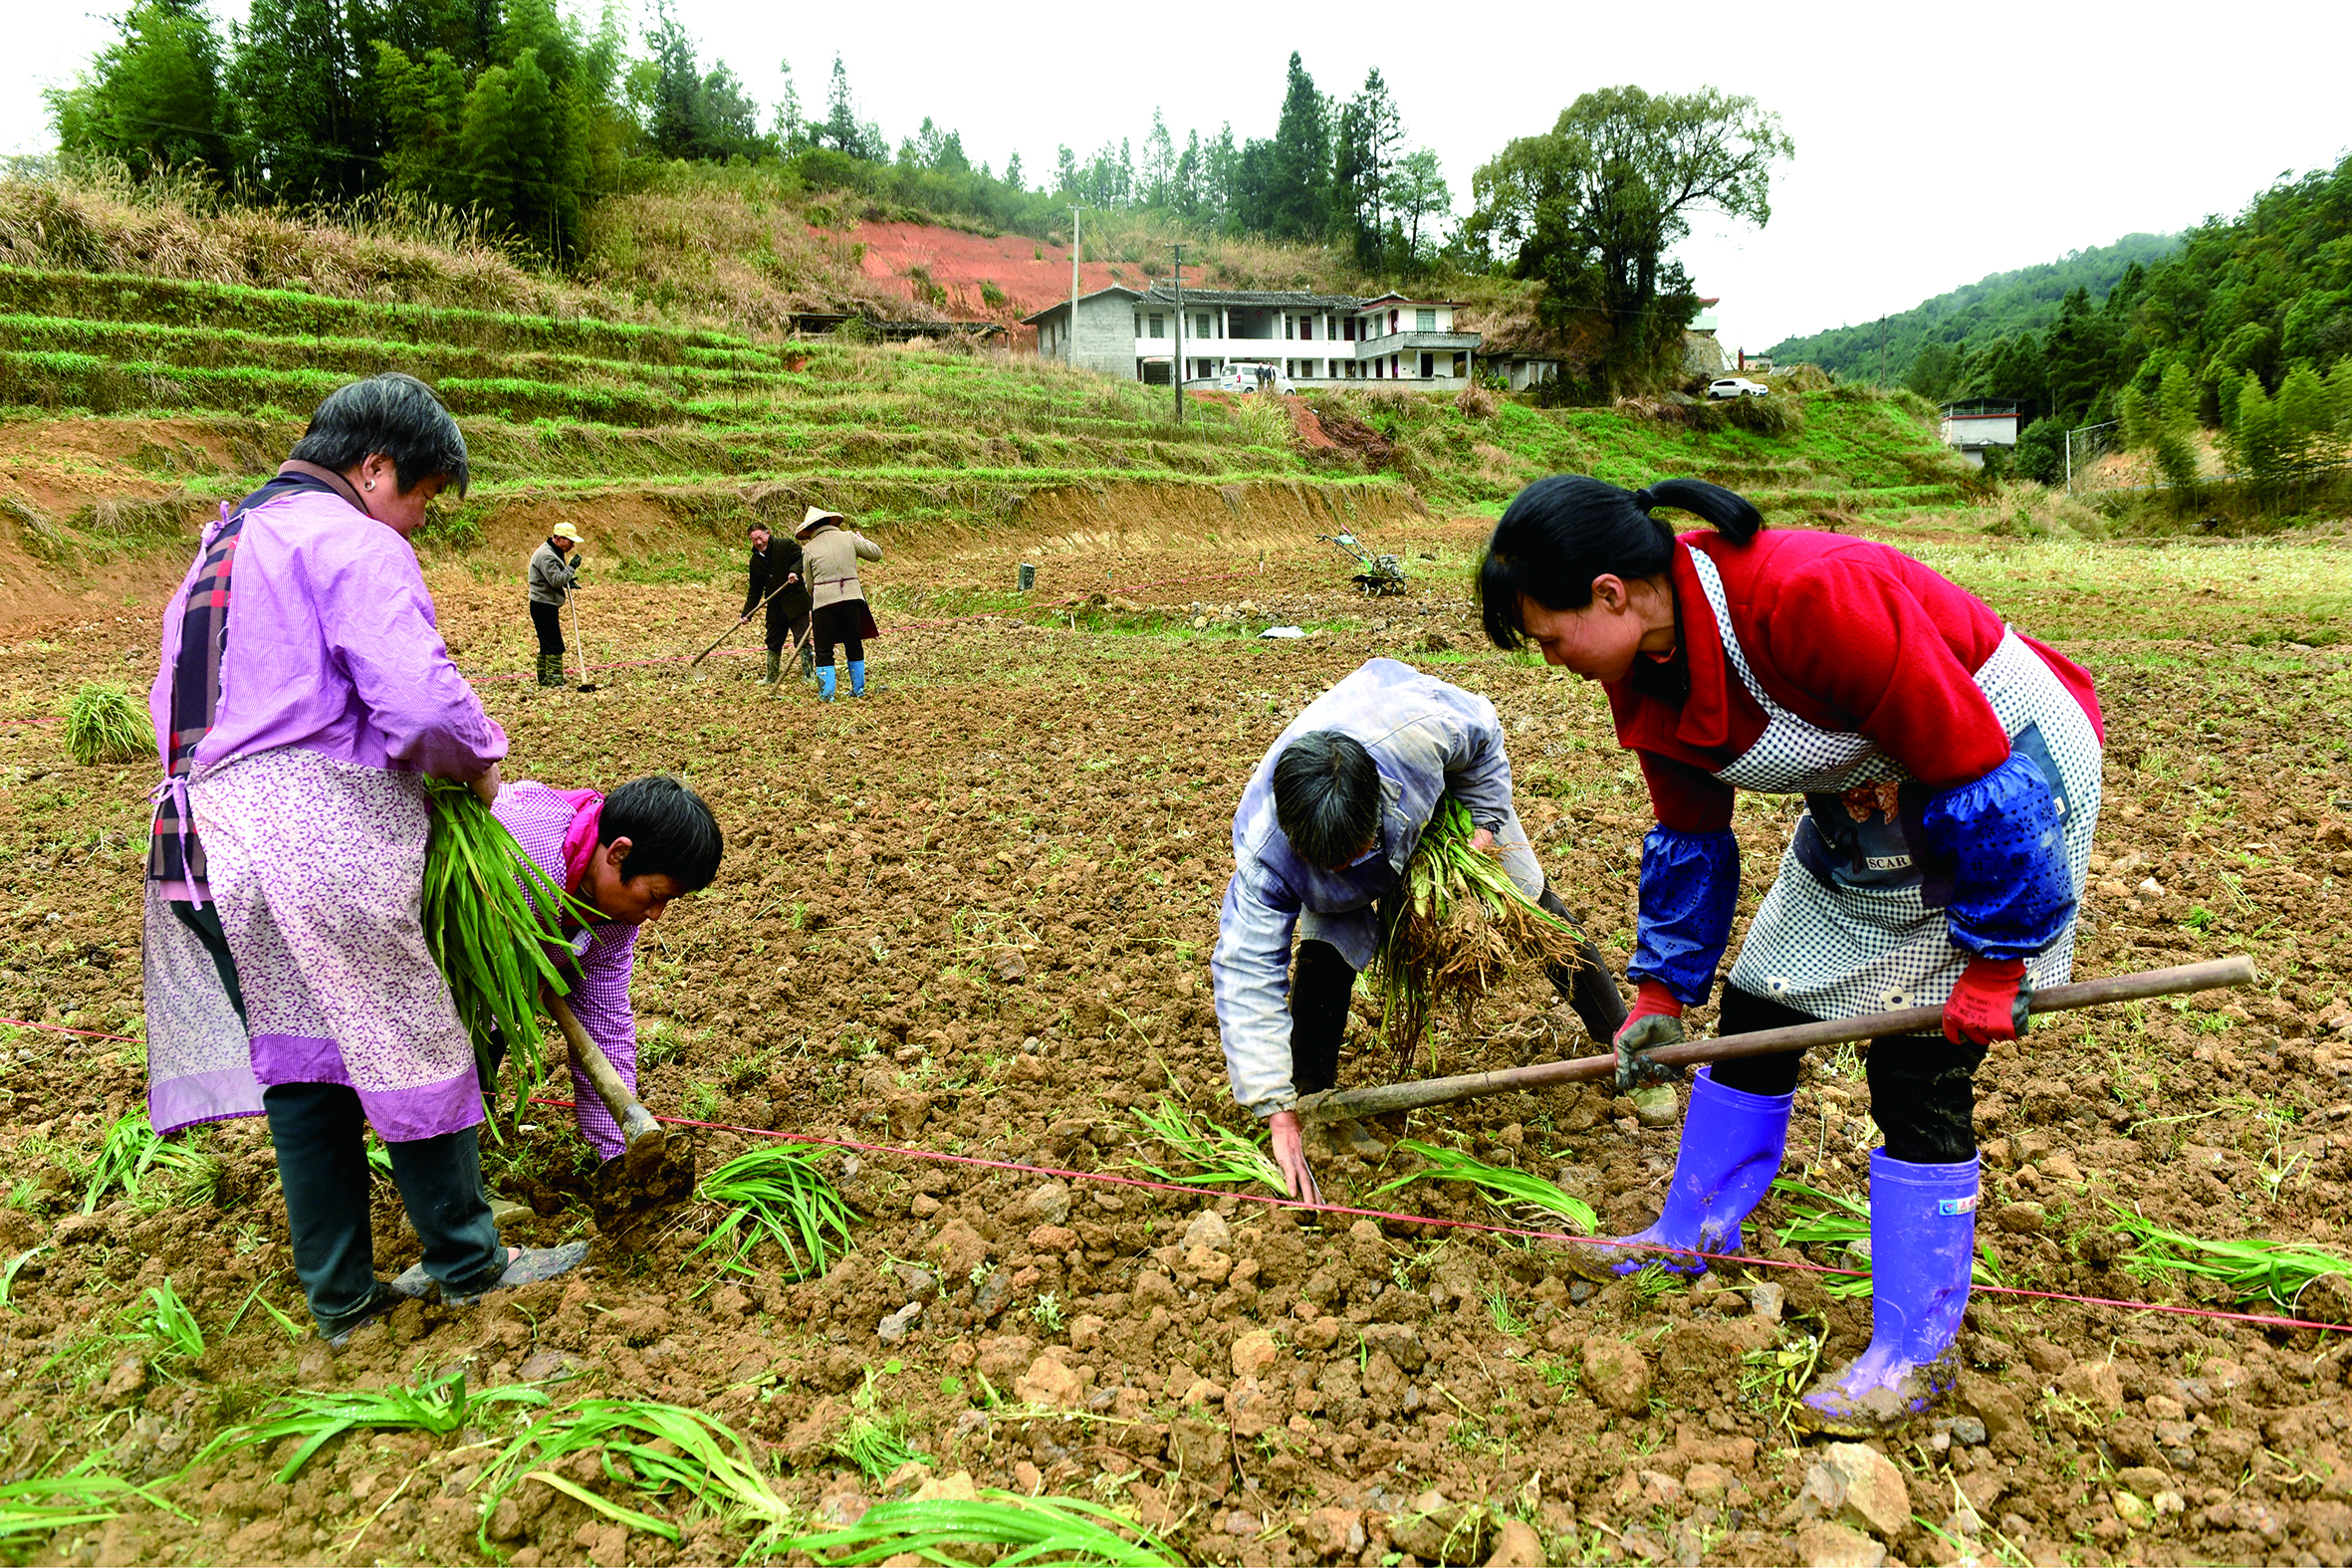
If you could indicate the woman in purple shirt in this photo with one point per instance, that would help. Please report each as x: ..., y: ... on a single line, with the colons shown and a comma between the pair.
x: 304, y: 696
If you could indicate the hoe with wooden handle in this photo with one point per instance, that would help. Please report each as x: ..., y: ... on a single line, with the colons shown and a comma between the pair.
x: 1348, y: 1104
x: 657, y: 1170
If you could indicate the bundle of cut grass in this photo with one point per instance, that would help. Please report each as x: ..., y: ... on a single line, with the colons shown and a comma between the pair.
x: 1021, y: 1529
x: 1219, y: 1156
x: 1841, y: 1224
x: 776, y: 1193
x: 1452, y: 928
x: 102, y: 725
x: 490, y: 934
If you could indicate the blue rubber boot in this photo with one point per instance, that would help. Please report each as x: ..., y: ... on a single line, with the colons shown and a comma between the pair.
x: 1923, y: 1242
x: 1731, y: 1151
x: 824, y: 683
x: 857, y: 677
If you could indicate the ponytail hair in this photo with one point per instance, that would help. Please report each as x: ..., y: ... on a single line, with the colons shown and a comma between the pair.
x: 1562, y: 531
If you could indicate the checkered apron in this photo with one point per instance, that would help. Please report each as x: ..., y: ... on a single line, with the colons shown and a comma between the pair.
x: 1853, y: 923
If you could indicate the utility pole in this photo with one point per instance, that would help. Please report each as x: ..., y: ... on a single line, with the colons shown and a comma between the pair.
x: 1179, y: 366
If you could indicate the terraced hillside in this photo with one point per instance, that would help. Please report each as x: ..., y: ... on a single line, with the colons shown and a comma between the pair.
x: 134, y: 404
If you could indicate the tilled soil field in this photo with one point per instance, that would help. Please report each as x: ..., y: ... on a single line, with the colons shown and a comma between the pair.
x: 970, y: 915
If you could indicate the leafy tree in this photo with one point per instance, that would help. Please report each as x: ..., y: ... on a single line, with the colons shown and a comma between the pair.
x: 2165, y: 428
x: 1013, y: 169
x: 2041, y: 453
x: 842, y: 130
x: 1419, y: 197
x: 1933, y: 372
x: 1157, y: 178
x: 791, y: 132
x: 1295, y: 202
x: 299, y: 76
x: 1366, y: 142
x: 1592, y: 206
x: 690, y: 115
x: 153, y: 98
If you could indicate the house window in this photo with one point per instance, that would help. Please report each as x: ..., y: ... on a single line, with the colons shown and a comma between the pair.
x: 1159, y: 326
x: 1307, y: 327
x: 1200, y: 325
x: 1425, y: 321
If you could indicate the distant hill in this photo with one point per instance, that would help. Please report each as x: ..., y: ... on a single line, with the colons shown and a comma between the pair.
x: 2005, y: 304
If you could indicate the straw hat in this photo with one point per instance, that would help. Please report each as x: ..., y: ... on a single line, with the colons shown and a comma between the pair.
x: 816, y: 516
x: 563, y: 531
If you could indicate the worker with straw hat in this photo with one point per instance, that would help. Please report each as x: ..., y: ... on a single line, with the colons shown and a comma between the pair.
x: 829, y: 552
x: 1949, y: 771
x: 303, y: 700
x: 552, y: 574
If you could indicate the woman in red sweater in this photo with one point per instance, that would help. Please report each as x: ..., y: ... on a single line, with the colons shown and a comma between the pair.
x: 1951, y: 773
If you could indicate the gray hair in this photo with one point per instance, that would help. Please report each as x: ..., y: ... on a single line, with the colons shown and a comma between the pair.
x: 396, y: 415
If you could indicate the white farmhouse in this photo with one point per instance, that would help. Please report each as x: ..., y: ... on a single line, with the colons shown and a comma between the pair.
x: 1979, y: 423
x: 1315, y: 339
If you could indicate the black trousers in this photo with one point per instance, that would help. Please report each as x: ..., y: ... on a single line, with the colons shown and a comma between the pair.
x: 842, y: 623
x: 785, y: 629
x: 1322, y: 981
x: 319, y: 1132
x: 548, y: 621
x: 1923, y: 1091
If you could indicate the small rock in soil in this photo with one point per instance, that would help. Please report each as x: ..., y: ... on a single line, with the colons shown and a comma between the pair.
x: 1333, y: 1532
x: 541, y: 1365
x: 2022, y: 1218
x: 1253, y: 1354
x: 124, y: 1385
x: 1856, y: 1484
x: 1517, y: 1546
x: 1048, y: 1382
x: 959, y: 1248
x: 1435, y: 1531
x: 1821, y: 1545
x: 1047, y: 1203
x: 1656, y: 1106
x: 894, y: 1328
x: 994, y: 1292
x: 1969, y: 1432
x: 920, y: 1284
x: 1768, y: 1301
x: 1209, y: 1229
x: 1617, y: 1375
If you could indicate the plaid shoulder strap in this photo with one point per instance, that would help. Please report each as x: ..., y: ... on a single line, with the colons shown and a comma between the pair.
x: 173, y: 853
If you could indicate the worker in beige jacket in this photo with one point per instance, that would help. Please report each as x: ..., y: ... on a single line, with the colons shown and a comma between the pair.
x: 829, y: 552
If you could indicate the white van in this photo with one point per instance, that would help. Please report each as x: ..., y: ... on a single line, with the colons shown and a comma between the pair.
x: 1245, y: 376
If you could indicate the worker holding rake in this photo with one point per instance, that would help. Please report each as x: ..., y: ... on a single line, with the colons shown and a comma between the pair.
x: 304, y: 699
x: 1950, y: 768
x: 625, y: 857
x: 1325, y: 827
x: 551, y: 578
x: 776, y: 582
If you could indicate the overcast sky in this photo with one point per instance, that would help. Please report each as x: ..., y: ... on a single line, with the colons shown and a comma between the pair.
x: 1934, y: 144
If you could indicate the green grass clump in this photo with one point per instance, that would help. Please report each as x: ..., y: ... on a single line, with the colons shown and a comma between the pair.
x: 1014, y: 1528
x: 1842, y: 1223
x: 102, y: 725
x: 776, y: 1193
x: 2248, y: 1272
x: 490, y: 933
x: 131, y: 1154
x: 657, y: 1452
x: 1452, y: 927
x: 170, y: 1322
x: 1514, y: 1193
x: 1219, y: 1156
x: 438, y: 1405
x: 32, y: 1510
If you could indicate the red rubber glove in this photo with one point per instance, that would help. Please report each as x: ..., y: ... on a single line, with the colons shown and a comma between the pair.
x: 1651, y: 1000
x: 1989, y: 1004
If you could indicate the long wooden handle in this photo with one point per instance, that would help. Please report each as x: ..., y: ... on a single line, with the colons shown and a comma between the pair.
x: 738, y: 626
x: 1344, y: 1105
x: 643, y: 1134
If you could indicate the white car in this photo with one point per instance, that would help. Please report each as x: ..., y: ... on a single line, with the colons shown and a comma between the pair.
x: 1736, y: 387
x: 1249, y: 376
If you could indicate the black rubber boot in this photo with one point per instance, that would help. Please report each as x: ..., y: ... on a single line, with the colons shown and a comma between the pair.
x: 808, y: 665
x: 551, y: 669
x: 1587, y: 986
x: 774, y: 659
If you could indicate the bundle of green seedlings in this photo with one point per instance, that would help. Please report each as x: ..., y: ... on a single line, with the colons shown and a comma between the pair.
x: 1842, y: 1225
x: 102, y: 725
x: 33, y: 1511
x: 1452, y: 927
x: 2247, y: 1272
x: 1518, y: 1194
x: 776, y: 1193
x: 1217, y: 1155
x: 490, y: 933
x: 439, y: 1406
